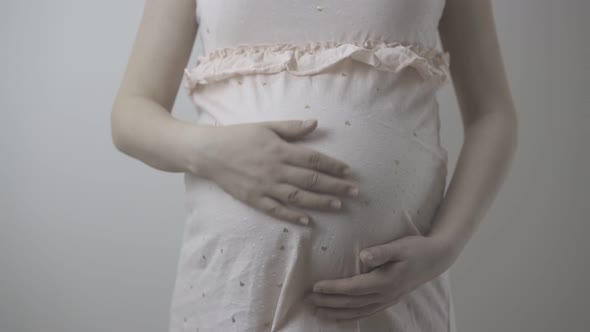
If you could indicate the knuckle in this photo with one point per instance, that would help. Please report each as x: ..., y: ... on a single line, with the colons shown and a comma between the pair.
x: 273, y: 170
x: 268, y: 205
x: 248, y: 193
x: 275, y: 210
x: 294, y: 196
x: 314, y: 159
x: 312, y: 179
x: 260, y: 184
x: 277, y: 149
x: 247, y: 196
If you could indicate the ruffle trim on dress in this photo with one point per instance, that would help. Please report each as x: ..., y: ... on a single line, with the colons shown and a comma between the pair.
x: 314, y: 57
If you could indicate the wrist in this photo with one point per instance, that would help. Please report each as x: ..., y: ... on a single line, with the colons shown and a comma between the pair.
x: 195, y: 141
x: 450, y: 243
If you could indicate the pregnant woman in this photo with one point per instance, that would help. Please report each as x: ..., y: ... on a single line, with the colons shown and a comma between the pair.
x: 340, y: 223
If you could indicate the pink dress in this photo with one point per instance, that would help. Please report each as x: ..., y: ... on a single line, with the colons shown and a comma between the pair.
x: 369, y: 72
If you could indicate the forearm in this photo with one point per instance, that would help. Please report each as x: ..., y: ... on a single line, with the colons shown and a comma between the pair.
x: 485, y: 157
x: 143, y: 129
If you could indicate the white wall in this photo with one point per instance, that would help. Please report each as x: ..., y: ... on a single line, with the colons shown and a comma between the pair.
x: 89, y: 238
x: 527, y: 268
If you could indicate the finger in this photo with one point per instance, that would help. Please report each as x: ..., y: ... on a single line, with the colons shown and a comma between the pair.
x: 381, y: 254
x: 298, y: 155
x: 290, y: 129
x: 341, y: 301
x: 289, y: 194
x: 350, y: 313
x: 277, y: 210
x: 360, y: 284
x: 316, y: 181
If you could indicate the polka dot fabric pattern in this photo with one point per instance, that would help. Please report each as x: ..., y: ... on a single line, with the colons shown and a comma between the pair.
x: 371, y: 82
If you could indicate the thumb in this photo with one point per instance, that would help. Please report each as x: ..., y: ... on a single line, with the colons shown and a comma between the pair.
x: 381, y: 254
x: 291, y: 129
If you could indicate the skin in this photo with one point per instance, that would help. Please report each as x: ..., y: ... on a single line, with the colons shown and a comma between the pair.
x: 255, y: 163
x: 275, y: 175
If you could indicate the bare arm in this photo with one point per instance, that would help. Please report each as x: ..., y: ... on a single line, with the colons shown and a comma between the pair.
x: 253, y: 162
x: 141, y: 122
x: 468, y: 33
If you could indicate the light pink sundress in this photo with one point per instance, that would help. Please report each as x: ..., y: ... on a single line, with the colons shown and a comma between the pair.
x: 368, y: 71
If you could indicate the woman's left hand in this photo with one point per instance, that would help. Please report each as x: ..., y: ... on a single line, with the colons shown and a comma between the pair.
x: 396, y: 269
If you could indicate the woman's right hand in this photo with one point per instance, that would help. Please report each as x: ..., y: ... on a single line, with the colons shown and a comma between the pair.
x: 256, y: 164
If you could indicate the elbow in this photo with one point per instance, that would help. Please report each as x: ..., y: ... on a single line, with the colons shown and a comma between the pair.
x: 117, y: 136
x: 500, y: 119
x: 509, y: 118
x: 513, y: 121
x: 508, y: 125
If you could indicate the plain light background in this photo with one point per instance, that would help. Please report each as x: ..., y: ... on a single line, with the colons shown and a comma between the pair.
x: 90, y: 238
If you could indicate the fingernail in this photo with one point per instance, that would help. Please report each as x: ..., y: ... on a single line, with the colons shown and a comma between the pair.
x: 367, y: 256
x: 347, y: 171
x: 336, y: 204
x: 353, y: 191
x: 308, y: 123
x: 304, y: 220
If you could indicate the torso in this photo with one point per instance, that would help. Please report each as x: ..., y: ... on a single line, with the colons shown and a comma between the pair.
x: 369, y: 73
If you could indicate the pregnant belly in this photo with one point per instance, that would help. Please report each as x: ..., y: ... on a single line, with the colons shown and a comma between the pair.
x: 384, y: 125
